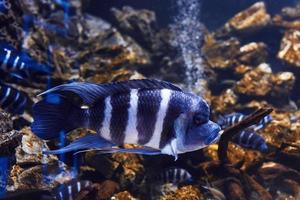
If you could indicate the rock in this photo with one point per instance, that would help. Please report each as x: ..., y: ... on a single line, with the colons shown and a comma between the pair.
x: 123, y: 196
x: 139, y: 24
x: 186, y: 192
x: 220, y: 54
x: 225, y: 102
x: 289, y: 48
x: 280, y: 22
x: 247, y: 21
x: 9, y: 138
x: 30, y: 151
x: 253, y: 53
x: 256, y: 82
x: 100, y: 191
x: 291, y: 12
x: 261, y: 82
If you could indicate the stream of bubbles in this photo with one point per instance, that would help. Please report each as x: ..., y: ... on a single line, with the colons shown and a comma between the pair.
x: 188, y: 34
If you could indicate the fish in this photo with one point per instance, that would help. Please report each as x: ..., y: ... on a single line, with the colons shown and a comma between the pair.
x: 234, y: 118
x: 20, y: 63
x: 250, y: 139
x: 175, y: 175
x: 12, y: 100
x: 66, y: 191
x: 156, y: 115
x: 69, y: 190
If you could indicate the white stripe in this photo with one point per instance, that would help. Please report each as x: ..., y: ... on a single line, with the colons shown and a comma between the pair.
x: 22, y: 66
x: 105, y: 133
x: 16, y: 97
x: 240, y: 118
x: 241, y: 137
x: 61, y: 195
x: 70, y: 192
x: 155, y: 139
x: 8, y: 52
x: 15, y: 62
x: 6, y: 95
x: 78, y: 186
x: 131, y: 133
x: 248, y: 139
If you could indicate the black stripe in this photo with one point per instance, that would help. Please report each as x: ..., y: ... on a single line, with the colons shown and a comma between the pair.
x: 119, y: 117
x: 10, y: 98
x: 19, y: 105
x: 176, y: 103
x: 148, y: 107
x: 96, y: 115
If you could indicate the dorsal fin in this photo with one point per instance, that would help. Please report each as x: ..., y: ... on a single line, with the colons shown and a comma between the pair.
x: 90, y: 92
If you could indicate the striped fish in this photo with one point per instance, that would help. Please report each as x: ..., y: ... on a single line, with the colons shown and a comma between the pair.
x: 12, y: 100
x: 173, y: 175
x: 66, y: 191
x: 17, y: 62
x: 248, y: 138
x: 157, y: 115
x: 70, y: 190
x: 234, y: 118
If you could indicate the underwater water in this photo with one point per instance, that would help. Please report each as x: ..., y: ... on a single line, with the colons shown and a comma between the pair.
x: 139, y: 99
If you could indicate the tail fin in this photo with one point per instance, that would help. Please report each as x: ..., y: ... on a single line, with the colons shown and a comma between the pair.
x: 55, y: 114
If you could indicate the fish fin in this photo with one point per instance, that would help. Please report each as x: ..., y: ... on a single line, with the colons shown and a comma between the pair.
x: 143, y: 151
x: 86, y: 142
x: 90, y: 92
x: 55, y: 114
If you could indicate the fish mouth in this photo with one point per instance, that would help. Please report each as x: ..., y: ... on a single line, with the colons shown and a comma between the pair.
x: 213, y: 138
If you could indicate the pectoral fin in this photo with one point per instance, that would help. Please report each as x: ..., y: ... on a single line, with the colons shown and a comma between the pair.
x: 144, y: 151
x: 87, y: 142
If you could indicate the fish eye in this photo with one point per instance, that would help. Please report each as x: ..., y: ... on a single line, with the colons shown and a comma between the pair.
x: 199, y: 119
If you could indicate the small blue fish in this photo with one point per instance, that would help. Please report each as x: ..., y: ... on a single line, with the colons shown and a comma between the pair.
x: 66, y: 191
x: 20, y: 63
x: 234, y: 118
x: 155, y: 114
x: 12, y: 100
x: 248, y: 138
x: 173, y: 175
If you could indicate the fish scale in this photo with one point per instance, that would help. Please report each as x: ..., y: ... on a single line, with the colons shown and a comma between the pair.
x: 149, y: 101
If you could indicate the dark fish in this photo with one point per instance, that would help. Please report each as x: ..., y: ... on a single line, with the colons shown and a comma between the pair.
x: 12, y: 100
x: 155, y: 114
x: 233, y: 118
x: 20, y: 63
x: 63, y: 192
x: 173, y: 175
x: 248, y: 138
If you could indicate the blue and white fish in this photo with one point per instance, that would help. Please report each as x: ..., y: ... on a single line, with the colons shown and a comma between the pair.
x: 66, y: 191
x: 155, y: 114
x: 234, y: 118
x: 70, y: 190
x: 173, y: 175
x: 12, y: 100
x: 248, y: 138
x: 14, y: 61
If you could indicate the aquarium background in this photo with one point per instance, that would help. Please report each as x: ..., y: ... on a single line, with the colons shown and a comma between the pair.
x: 241, y: 56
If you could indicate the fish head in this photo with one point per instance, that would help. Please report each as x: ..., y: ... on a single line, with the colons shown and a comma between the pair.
x: 194, y: 130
